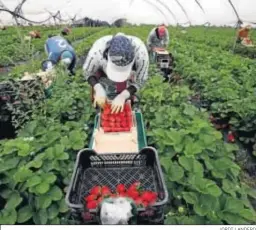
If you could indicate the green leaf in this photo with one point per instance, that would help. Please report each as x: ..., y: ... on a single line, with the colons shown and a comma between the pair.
x: 171, y: 220
x: 63, y: 156
x: 193, y: 148
x: 55, y: 221
x: 8, y: 217
x: 206, y: 204
x: 49, y: 178
x: 189, y: 110
x: 229, y: 187
x: 166, y: 163
x: 201, y: 209
x: 76, y: 140
x: 43, y: 216
x: 35, y: 164
x: 233, y: 205
x: 22, y: 174
x: 24, y: 214
x: 175, y: 172
x: 248, y: 214
x: 53, y: 212
x: 43, y: 201
x: 232, y: 218
x: 63, y: 208
x: 191, y: 165
x: 213, y: 189
x: 5, y: 193
x: 190, y: 197
x: 8, y: 164
x: 13, y: 201
x: 175, y: 138
x: 42, y: 188
x: 55, y: 193
x: 24, y: 149
x: 33, y: 181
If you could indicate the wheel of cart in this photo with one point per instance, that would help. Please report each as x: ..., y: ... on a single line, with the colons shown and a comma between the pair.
x: 117, y: 158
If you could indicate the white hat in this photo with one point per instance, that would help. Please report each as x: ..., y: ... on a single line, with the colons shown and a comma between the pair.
x: 118, y: 73
x: 121, y: 56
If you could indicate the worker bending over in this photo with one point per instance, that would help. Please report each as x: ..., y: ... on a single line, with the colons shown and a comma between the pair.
x: 116, y: 67
x: 60, y: 50
x: 158, y: 38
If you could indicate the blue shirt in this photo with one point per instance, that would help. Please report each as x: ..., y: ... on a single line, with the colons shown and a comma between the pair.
x: 55, y: 46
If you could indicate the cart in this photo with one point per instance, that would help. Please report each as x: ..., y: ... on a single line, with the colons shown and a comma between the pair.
x: 164, y: 61
x: 111, y: 166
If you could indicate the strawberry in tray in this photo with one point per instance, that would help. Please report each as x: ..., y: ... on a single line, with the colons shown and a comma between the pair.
x: 118, y: 122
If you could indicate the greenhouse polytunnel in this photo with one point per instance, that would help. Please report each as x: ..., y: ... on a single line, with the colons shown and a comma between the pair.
x: 138, y: 112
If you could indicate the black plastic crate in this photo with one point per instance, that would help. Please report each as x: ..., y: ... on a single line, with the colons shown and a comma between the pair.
x: 92, y: 169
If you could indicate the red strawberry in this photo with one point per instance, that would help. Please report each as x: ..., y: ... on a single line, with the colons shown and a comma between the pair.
x: 112, y: 124
x: 231, y: 137
x: 139, y: 202
x: 127, y: 107
x: 90, y: 198
x: 105, y: 123
x: 120, y: 188
x: 107, y: 129
x: 107, y: 109
x: 122, y: 115
x: 135, y: 185
x: 118, y: 119
x: 114, y: 129
x: 122, y: 194
x: 113, y: 195
x: 104, y: 117
x: 96, y: 190
x: 99, y: 200
x: 124, y: 124
x: 105, y: 191
x: 133, y: 193
x: 112, y: 119
x: 148, y: 196
x: 92, y: 204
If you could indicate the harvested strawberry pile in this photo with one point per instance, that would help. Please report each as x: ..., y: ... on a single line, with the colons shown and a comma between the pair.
x: 116, y: 122
x: 135, y: 192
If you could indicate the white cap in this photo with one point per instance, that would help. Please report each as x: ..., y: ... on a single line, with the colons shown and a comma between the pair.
x: 118, y: 73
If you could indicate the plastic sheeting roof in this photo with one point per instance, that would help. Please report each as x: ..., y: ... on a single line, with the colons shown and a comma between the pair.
x: 217, y: 12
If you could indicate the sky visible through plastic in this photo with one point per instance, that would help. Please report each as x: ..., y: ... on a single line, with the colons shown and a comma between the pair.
x: 217, y: 12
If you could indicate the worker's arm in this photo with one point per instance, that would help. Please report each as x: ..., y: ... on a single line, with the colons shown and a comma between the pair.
x: 91, y: 65
x: 150, y: 38
x: 166, y: 39
x: 141, y: 74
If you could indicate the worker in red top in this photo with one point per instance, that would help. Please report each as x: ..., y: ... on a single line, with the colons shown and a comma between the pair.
x: 243, y: 35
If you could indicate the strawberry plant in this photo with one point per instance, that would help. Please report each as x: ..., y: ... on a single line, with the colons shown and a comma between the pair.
x: 202, y: 178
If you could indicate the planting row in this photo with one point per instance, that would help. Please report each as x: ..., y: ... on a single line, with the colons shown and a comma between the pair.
x: 39, y: 162
x: 14, y: 48
x: 222, y: 38
x: 225, y: 84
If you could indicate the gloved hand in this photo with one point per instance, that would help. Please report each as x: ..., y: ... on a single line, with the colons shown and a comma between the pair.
x: 47, y: 66
x: 117, y: 104
x: 100, y: 96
